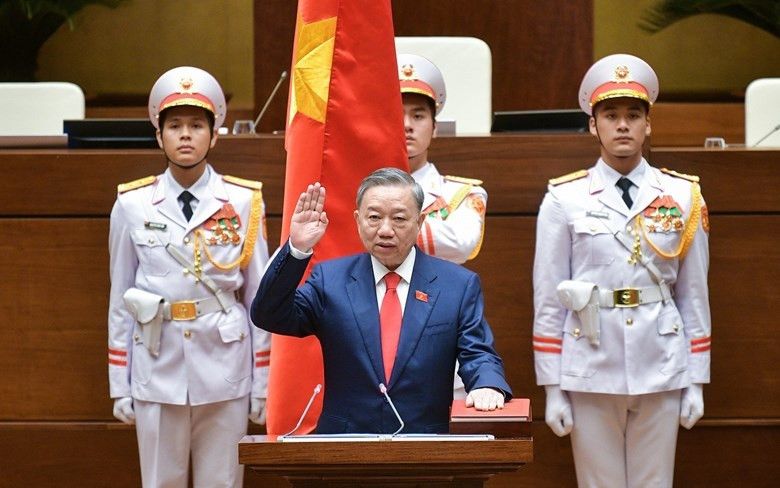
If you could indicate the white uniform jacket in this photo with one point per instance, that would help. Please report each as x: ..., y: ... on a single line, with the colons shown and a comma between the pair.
x: 648, y: 348
x: 455, y: 215
x: 217, y: 356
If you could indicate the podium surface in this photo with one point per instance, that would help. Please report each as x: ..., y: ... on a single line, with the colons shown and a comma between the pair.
x: 459, y: 463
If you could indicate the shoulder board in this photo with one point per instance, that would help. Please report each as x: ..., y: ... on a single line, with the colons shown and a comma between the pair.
x: 693, y: 178
x: 465, y: 181
x: 569, y: 177
x: 251, y: 184
x: 134, y: 185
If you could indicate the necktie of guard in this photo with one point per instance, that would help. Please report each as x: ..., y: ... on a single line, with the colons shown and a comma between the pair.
x: 186, y: 197
x: 624, y: 184
x: 390, y: 322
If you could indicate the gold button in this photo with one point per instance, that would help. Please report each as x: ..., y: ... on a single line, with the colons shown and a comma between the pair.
x: 676, y: 327
x: 187, y: 333
x: 593, y: 228
x: 136, y: 337
x: 629, y: 321
x: 576, y: 332
x: 185, y: 270
x: 241, y: 336
x: 151, y: 241
x: 628, y: 228
x: 186, y: 240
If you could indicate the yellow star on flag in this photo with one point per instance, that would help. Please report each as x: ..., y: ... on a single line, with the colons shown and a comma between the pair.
x: 312, y: 68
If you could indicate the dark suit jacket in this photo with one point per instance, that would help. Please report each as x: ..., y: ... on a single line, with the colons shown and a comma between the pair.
x: 338, y: 304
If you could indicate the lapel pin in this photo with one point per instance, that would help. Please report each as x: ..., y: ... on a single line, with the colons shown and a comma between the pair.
x: 422, y: 296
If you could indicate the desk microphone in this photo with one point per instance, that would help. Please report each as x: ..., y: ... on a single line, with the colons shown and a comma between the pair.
x: 775, y: 129
x: 383, y: 389
x: 271, y: 97
x: 317, y: 390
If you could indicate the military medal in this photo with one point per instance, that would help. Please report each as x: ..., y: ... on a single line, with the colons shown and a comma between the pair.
x: 664, y: 215
x: 224, y: 225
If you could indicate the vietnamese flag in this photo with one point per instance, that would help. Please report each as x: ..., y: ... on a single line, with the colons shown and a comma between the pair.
x: 344, y: 120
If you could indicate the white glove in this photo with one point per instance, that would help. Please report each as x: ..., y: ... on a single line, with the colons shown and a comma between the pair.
x: 692, y: 405
x: 485, y: 399
x: 557, y: 413
x: 123, y: 410
x: 257, y: 410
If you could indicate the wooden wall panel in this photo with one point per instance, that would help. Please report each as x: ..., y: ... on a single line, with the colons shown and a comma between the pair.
x: 515, y: 170
x: 688, y: 124
x: 540, y: 50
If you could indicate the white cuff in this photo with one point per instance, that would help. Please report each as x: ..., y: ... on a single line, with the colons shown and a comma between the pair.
x: 298, y: 254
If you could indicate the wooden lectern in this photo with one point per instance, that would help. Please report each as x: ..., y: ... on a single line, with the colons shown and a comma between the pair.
x: 457, y: 463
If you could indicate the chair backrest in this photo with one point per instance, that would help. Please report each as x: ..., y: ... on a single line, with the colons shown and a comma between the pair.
x: 38, y: 108
x: 762, y: 113
x: 466, y: 64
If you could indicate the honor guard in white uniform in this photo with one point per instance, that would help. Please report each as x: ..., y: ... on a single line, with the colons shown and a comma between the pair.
x: 454, y: 206
x: 622, y: 320
x: 188, y: 249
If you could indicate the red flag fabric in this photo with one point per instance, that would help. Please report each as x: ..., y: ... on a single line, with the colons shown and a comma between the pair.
x: 344, y: 121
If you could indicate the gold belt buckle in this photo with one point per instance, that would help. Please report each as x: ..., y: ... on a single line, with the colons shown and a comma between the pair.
x: 626, y: 297
x: 183, y: 310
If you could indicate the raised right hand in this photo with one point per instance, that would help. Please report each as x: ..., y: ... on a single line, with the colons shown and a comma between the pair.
x: 309, y: 219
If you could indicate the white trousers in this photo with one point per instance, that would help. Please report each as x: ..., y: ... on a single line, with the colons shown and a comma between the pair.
x: 625, y: 440
x: 168, y: 434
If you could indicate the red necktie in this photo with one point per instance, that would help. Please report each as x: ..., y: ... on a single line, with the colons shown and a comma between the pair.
x: 390, y: 322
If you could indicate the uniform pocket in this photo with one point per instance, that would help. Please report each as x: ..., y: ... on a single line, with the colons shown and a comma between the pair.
x: 672, y: 339
x: 141, y: 366
x: 150, y: 248
x: 592, y: 240
x: 577, y: 354
x: 234, y: 332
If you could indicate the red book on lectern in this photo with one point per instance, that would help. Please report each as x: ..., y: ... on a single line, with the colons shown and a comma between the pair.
x: 511, y: 421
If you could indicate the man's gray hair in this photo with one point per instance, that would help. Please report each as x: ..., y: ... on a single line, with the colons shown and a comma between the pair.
x: 391, y: 177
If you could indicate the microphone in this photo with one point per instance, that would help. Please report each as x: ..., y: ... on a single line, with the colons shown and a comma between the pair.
x: 383, y: 389
x: 317, y: 390
x: 271, y: 97
x: 775, y: 129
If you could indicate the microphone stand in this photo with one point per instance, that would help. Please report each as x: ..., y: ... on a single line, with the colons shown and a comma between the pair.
x: 271, y: 97
x: 775, y: 129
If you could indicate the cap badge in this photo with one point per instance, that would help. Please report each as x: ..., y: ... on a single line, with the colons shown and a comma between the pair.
x: 622, y: 74
x: 186, y: 85
x: 407, y: 71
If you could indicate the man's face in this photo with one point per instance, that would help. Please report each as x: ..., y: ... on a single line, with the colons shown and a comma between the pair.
x: 185, y: 135
x: 419, y: 126
x: 388, y: 222
x: 622, y: 124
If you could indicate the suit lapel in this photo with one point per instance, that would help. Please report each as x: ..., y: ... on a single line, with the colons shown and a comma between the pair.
x: 210, y: 203
x: 167, y: 204
x: 649, y: 189
x: 607, y: 196
x: 361, y: 290
x: 416, y: 312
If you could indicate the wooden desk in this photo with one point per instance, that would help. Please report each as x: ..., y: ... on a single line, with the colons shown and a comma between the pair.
x: 54, y: 207
x: 385, y: 463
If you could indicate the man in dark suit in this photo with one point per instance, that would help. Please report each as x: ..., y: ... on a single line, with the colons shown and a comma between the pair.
x: 393, y: 316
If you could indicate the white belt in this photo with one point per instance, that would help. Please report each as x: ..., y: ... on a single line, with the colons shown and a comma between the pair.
x: 631, y: 297
x: 192, y: 309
